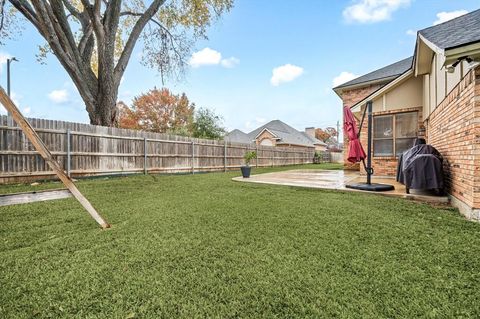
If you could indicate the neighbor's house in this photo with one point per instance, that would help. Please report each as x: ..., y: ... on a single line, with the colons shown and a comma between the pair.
x: 277, y: 133
x: 434, y: 94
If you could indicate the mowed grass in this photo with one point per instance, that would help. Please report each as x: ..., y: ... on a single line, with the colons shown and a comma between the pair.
x: 205, y: 246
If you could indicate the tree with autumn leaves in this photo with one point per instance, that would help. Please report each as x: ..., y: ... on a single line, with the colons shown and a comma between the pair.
x: 326, y: 135
x: 161, y: 111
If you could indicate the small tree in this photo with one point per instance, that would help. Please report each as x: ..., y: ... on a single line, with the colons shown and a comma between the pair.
x: 207, y: 124
x: 326, y: 135
x: 158, y: 111
x: 249, y: 156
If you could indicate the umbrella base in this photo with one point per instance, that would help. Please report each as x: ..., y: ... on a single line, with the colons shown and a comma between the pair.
x: 374, y: 187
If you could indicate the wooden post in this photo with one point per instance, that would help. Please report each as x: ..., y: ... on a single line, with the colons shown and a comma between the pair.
x: 69, y: 152
x: 47, y: 156
x: 256, y: 158
x: 145, y: 168
x: 193, y: 157
x: 224, y: 156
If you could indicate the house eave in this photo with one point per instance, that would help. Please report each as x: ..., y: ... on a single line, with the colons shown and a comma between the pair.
x: 379, y: 92
x: 340, y: 89
x: 471, y: 50
x: 424, y: 52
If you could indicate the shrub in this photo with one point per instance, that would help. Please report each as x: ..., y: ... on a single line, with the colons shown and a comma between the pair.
x: 249, y: 156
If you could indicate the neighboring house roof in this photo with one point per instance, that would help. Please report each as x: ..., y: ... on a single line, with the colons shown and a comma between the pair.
x: 284, y: 133
x: 315, y: 141
x: 238, y: 136
x: 386, y: 73
x: 456, y: 32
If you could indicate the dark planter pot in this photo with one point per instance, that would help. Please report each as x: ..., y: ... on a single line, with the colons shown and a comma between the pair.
x: 246, y: 171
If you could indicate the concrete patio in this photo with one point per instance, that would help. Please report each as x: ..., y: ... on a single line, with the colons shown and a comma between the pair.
x: 336, y: 180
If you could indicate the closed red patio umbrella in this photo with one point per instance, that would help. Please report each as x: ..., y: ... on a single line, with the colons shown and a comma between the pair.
x: 355, y: 149
x: 356, y: 152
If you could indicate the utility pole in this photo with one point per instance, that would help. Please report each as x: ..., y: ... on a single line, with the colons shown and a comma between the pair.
x: 9, y: 60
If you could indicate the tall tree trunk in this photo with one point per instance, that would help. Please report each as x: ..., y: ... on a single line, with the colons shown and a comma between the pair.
x: 105, y: 105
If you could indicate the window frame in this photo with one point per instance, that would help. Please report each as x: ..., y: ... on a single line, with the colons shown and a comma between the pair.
x: 394, y: 137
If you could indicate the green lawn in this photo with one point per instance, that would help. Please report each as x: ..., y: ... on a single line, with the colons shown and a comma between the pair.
x: 205, y: 246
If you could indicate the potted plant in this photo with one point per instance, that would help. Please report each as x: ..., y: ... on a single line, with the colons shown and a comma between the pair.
x: 246, y: 169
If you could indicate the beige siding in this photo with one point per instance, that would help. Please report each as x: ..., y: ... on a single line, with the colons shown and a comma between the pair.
x: 433, y: 88
x: 406, y: 95
x: 453, y: 78
x: 439, y: 83
x: 441, y: 78
x: 426, y: 96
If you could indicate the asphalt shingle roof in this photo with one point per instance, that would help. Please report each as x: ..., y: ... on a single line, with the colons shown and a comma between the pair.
x: 286, y: 134
x: 456, y: 32
x: 386, y: 72
x: 238, y: 136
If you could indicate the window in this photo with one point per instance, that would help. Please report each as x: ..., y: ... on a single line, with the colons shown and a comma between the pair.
x: 394, y: 134
x: 266, y: 142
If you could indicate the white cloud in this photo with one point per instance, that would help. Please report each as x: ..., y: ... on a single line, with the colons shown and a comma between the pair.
x: 285, y: 73
x: 27, y: 110
x: 209, y: 56
x: 206, y: 56
x: 343, y: 78
x: 411, y: 32
x: 371, y: 11
x: 230, y: 62
x: 445, y: 16
x: 58, y: 96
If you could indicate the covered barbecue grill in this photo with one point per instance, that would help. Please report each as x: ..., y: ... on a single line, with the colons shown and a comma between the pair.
x: 421, y: 167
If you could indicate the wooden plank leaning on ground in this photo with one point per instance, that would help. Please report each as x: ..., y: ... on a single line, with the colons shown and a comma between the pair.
x: 31, y: 197
x: 47, y: 156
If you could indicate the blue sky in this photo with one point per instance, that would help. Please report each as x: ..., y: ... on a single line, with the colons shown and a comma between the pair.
x: 264, y: 60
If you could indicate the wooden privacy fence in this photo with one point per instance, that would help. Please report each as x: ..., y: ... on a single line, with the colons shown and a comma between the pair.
x: 85, y: 150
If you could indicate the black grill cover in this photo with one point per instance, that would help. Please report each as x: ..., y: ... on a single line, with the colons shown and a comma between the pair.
x: 420, y: 168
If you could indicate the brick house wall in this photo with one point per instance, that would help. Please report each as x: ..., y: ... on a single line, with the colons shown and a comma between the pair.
x: 453, y: 128
x: 350, y: 98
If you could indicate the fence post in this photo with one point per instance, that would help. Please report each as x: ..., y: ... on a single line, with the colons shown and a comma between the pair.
x: 145, y: 150
x: 193, y: 157
x: 273, y: 157
x: 69, y: 155
x: 224, y: 156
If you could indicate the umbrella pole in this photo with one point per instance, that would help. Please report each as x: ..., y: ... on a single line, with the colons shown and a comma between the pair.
x: 369, y: 142
x: 368, y: 186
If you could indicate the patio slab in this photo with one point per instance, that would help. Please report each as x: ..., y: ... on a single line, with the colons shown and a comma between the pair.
x: 336, y: 180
